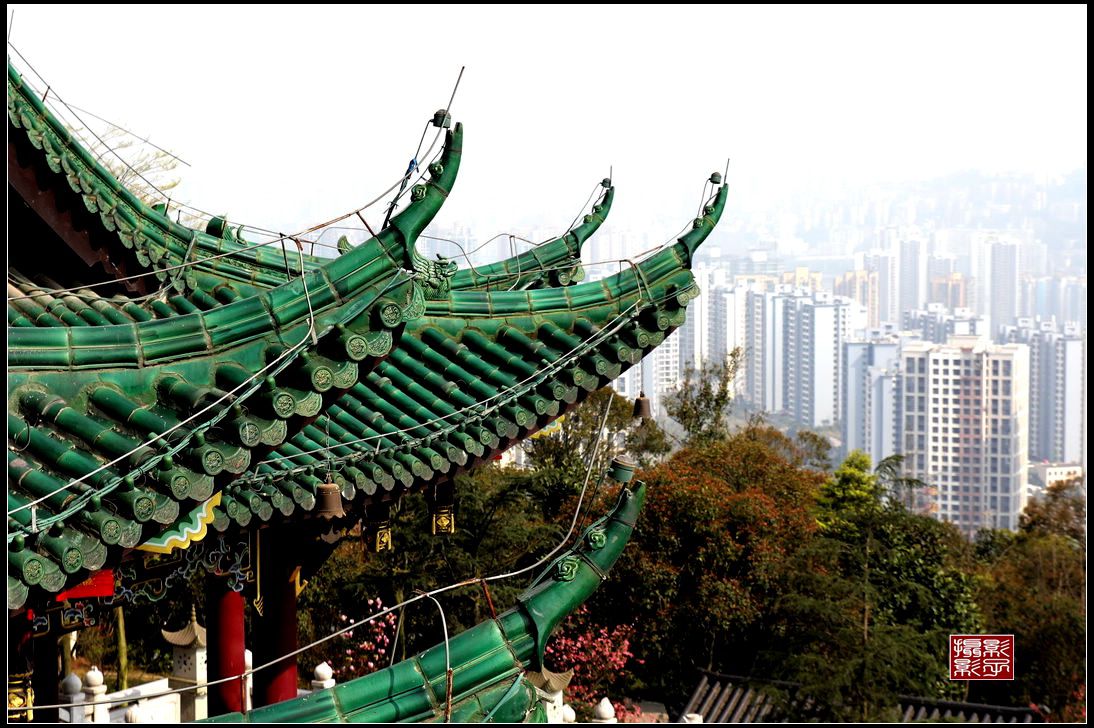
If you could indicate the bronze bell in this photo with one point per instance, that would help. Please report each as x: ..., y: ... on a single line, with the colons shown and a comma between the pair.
x: 329, y: 499
x: 642, y: 407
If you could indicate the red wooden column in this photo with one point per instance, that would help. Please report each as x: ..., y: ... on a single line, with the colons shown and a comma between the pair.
x: 275, y: 629
x: 225, y: 638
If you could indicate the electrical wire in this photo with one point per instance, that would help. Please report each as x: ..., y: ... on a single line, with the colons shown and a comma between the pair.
x: 164, y: 195
x: 447, y: 663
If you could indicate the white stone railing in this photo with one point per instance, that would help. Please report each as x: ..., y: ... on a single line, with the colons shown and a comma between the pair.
x: 98, y: 706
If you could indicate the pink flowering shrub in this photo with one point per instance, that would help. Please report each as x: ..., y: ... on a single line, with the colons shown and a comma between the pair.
x: 598, y: 656
x: 365, y: 648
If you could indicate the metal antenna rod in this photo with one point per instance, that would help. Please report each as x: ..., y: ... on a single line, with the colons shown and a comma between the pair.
x: 414, y: 162
x: 453, y: 96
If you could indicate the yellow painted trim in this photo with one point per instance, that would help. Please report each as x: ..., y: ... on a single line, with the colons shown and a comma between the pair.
x: 190, y: 532
x: 297, y: 581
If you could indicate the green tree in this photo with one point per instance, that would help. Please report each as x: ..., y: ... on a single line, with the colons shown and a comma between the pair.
x: 848, y: 665
x: 701, y: 404
x: 499, y: 527
x: 1033, y: 585
x: 706, y: 559
x: 648, y: 444
x: 817, y: 449
x: 561, y: 459
x: 850, y: 497
x: 890, y: 474
x: 1062, y: 511
x: 870, y: 602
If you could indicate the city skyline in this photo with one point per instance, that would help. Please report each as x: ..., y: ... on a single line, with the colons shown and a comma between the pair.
x: 664, y: 97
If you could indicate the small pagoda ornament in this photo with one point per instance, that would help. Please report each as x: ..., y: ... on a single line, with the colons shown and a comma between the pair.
x: 189, y: 667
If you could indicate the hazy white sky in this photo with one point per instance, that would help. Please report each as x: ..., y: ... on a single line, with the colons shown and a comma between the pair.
x: 294, y: 114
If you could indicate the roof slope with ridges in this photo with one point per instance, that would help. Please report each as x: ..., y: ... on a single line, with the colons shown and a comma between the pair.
x: 122, y: 421
x: 160, y: 244
x: 556, y: 262
x: 735, y: 699
x: 474, y: 376
x: 97, y: 378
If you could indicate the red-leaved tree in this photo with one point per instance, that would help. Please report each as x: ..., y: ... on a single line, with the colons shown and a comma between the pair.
x: 365, y: 648
x: 598, y: 655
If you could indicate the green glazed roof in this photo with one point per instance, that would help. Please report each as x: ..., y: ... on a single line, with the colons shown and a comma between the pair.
x: 466, y: 380
x: 392, y: 391
x: 158, y: 243
x: 556, y: 262
x: 479, y: 372
x: 222, y: 369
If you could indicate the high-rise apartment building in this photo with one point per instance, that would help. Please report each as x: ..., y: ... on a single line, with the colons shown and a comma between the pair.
x: 794, y: 351
x: 695, y: 335
x: 662, y: 371
x: 1059, y: 297
x: 998, y: 289
x: 965, y: 429
x: 913, y: 274
x: 884, y: 263
x: 802, y: 277
x: 870, y: 410
x: 862, y: 286
x: 952, y: 291
x: 941, y: 265
x: 729, y: 327
x: 937, y: 323
x: 765, y: 347
x: 815, y: 329
x: 1057, y: 388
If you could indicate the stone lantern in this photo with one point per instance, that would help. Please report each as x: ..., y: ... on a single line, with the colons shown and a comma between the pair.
x: 189, y: 667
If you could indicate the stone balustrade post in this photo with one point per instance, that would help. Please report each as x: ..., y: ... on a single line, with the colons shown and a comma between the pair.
x: 94, y: 690
x: 324, y: 677
x: 72, y: 693
x: 604, y: 712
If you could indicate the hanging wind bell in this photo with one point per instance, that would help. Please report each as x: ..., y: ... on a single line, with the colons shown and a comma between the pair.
x: 329, y: 501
